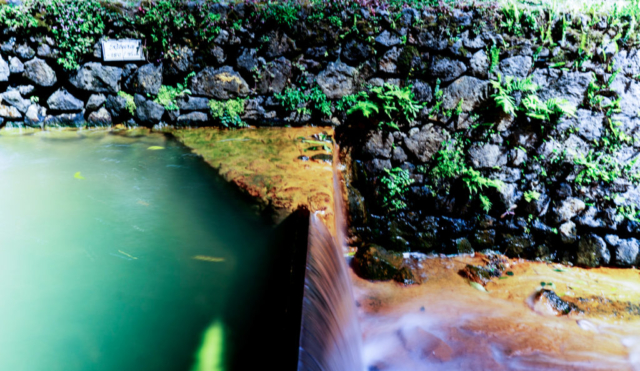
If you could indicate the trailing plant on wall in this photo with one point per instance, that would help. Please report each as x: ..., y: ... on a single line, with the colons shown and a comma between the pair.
x: 19, y: 18
x: 163, y: 21
x: 77, y: 27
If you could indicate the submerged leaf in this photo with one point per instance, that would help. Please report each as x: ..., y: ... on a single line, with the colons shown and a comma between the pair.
x: 155, y: 148
x: 78, y: 176
x: 128, y: 255
x: 477, y: 286
x: 208, y: 258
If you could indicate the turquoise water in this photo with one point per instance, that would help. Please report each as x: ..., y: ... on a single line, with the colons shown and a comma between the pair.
x: 114, y: 256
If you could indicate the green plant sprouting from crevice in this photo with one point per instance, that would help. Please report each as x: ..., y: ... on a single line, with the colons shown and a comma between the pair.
x: 389, y: 104
x: 512, y: 19
x: 280, y: 13
x: 228, y: 112
x: 395, y: 184
x: 450, y: 164
x: 531, y: 195
x: 130, y: 102
x: 602, y: 167
x: 167, y: 95
x: 531, y: 104
x: 305, y: 102
x: 494, y: 58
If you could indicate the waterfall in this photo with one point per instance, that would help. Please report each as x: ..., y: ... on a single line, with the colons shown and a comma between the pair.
x: 330, y: 337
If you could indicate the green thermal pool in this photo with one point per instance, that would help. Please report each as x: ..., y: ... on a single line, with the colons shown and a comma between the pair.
x: 118, y: 251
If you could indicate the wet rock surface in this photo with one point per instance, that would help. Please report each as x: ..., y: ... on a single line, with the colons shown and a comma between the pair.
x: 146, y: 79
x: 337, y: 80
x: 548, y: 302
x: 95, y: 77
x: 62, y: 100
x: 39, y: 72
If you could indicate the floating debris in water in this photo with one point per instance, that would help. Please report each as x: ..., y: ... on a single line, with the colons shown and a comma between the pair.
x: 140, y: 202
x: 78, y: 176
x: 128, y: 255
x: 155, y: 148
x: 208, y: 258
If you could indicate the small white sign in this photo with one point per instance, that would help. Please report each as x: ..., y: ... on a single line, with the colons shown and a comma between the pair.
x: 122, y: 50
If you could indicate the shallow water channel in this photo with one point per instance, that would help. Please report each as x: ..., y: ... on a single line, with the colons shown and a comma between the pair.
x: 118, y: 251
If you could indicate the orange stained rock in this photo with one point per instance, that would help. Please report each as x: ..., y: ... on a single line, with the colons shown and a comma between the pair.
x: 266, y: 164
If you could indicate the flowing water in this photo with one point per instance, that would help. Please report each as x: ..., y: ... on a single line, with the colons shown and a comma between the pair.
x: 446, y: 324
x: 330, y: 338
x: 122, y: 252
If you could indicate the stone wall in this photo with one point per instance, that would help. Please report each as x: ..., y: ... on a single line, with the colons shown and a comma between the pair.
x: 556, y: 194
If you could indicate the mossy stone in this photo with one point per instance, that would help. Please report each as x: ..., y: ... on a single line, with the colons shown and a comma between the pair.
x: 406, y: 59
x: 463, y: 246
x: 376, y: 263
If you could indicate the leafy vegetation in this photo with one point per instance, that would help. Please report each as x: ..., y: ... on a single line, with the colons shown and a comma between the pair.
x: 19, y: 18
x: 167, y: 94
x: 395, y: 184
x: 164, y: 21
x: 305, y: 102
x: 280, y: 13
x: 228, y: 112
x: 389, y: 104
x: 131, y: 104
x: 494, y: 58
x: 601, y: 167
x: 531, y: 195
x: 76, y: 26
x: 450, y: 164
x: 532, y: 105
